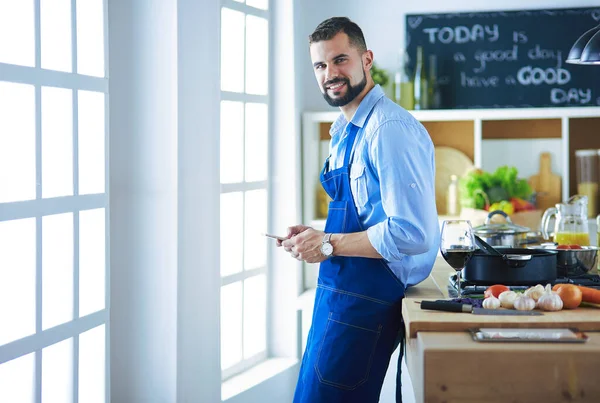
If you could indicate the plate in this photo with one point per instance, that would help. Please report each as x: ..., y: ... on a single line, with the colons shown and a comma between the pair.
x: 448, y: 161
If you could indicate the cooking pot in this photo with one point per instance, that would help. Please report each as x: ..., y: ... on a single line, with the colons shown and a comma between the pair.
x: 572, y: 262
x: 502, y: 234
x: 510, y: 266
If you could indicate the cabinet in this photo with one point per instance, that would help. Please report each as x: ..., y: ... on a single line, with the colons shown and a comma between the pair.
x: 487, y: 136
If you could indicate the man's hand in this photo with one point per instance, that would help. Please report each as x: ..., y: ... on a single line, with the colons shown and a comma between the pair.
x: 304, y: 244
x: 293, y: 231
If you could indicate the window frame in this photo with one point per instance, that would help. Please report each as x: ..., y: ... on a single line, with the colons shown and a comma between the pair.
x: 40, y: 207
x: 243, y: 186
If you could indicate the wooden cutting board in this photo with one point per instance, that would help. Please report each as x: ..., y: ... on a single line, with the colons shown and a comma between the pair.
x: 546, y: 184
x: 417, y: 319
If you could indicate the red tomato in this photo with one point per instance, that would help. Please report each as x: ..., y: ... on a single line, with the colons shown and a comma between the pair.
x: 563, y: 247
x: 575, y: 247
x: 495, y: 290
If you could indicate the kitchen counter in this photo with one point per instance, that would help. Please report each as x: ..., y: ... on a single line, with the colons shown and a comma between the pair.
x: 446, y: 365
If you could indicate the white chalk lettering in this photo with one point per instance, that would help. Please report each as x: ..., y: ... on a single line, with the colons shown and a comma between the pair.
x: 535, y: 75
x: 537, y: 53
x: 485, y: 56
x: 478, y: 82
x: 519, y: 37
x: 463, y: 34
x: 573, y: 95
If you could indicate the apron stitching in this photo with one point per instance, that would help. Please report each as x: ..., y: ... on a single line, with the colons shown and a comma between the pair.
x: 355, y: 295
x: 358, y: 327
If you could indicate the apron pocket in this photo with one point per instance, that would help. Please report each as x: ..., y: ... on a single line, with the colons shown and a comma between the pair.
x: 346, y: 352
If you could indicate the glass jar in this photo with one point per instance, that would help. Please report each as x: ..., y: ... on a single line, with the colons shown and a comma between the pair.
x: 571, y: 222
x: 586, y: 167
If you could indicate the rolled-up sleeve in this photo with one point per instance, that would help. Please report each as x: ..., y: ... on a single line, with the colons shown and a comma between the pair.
x: 402, y: 155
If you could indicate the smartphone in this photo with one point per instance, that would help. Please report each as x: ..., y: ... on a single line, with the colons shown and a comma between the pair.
x: 279, y: 238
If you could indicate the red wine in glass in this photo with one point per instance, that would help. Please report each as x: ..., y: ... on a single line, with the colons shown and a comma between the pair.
x: 457, y: 246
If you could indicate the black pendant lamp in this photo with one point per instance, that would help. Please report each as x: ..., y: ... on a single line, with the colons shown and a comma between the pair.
x: 586, y: 49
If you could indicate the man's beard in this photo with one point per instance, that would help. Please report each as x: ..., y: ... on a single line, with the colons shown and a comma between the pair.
x: 351, y: 91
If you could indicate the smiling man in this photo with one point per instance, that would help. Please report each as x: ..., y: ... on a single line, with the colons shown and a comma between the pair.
x: 381, y: 234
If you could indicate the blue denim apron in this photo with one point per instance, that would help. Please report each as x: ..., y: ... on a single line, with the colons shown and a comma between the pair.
x: 357, y: 319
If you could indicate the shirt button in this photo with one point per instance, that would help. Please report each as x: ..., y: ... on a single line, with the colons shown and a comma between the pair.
x: 413, y: 185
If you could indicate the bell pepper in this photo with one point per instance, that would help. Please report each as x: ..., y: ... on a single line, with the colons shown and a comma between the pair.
x: 503, y: 205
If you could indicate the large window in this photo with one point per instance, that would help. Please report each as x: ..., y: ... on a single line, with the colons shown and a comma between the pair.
x: 244, y: 184
x: 53, y: 201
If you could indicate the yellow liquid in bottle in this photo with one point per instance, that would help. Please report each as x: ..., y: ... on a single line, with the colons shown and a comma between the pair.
x: 572, y: 238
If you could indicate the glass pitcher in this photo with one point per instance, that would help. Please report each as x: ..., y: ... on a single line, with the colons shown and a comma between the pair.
x: 571, y: 222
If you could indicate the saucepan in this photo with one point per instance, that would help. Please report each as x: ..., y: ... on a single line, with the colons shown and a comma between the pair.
x: 572, y: 262
x: 510, y: 266
x: 502, y: 234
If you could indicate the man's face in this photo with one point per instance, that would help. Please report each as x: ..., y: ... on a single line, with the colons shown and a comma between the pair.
x: 340, y: 69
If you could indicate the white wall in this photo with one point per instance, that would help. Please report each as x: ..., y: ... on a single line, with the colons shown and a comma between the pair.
x: 143, y: 200
x: 382, y: 23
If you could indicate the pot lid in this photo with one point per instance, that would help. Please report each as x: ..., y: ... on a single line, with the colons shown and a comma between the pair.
x: 500, y: 228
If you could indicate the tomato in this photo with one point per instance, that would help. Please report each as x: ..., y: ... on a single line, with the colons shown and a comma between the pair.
x: 570, y: 294
x: 575, y: 247
x: 563, y: 247
x: 495, y: 290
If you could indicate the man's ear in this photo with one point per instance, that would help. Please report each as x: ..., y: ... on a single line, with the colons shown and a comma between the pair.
x: 367, y: 59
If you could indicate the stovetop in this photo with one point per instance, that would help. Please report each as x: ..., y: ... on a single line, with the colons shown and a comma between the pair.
x: 469, y: 288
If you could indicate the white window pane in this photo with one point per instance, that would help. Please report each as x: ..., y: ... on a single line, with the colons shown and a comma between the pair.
x: 257, y: 55
x: 55, y: 27
x: 239, y: 1
x: 17, y: 142
x: 17, y: 380
x: 57, y: 372
x: 255, y: 244
x: 57, y: 142
x: 231, y: 324
x: 91, y: 142
x: 17, y: 32
x: 92, y: 261
x: 92, y: 366
x: 262, y: 4
x: 255, y: 315
x: 232, y: 234
x: 57, y: 269
x: 256, y: 142
x: 90, y: 37
x: 17, y: 279
x: 232, y: 141
x: 232, y: 50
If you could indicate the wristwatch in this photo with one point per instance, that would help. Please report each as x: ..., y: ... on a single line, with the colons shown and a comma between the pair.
x: 326, y: 246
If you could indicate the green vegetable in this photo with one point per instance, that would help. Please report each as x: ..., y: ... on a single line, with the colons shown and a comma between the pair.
x: 380, y: 76
x: 479, y: 188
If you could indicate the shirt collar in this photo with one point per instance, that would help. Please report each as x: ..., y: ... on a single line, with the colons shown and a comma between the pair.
x: 360, y: 116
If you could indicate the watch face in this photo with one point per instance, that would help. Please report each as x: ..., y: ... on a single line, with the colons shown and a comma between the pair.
x: 327, y: 249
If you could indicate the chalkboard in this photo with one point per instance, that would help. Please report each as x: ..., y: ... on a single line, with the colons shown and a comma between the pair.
x: 512, y: 59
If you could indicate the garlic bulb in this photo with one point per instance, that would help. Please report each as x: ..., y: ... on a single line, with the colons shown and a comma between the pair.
x: 491, y: 303
x: 550, y: 301
x: 507, y: 299
x: 535, y: 292
x: 524, y: 303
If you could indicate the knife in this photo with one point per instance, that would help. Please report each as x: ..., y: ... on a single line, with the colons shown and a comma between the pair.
x: 449, y: 306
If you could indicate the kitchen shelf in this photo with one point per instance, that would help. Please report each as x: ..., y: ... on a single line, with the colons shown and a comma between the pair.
x: 564, y: 129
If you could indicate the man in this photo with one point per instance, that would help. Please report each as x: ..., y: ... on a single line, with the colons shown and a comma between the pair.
x: 381, y: 234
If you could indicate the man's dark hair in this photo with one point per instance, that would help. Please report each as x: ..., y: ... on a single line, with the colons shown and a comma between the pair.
x: 332, y: 26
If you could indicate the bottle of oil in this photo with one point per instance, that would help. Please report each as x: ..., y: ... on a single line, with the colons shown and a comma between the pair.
x: 420, y: 82
x: 435, y: 96
x: 403, y: 86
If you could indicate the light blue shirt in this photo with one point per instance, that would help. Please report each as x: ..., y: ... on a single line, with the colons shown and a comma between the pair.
x: 393, y: 183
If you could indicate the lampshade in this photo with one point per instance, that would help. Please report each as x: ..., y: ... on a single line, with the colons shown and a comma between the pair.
x: 591, y: 52
x: 575, y: 55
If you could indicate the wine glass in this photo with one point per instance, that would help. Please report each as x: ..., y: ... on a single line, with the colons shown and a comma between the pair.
x: 457, y: 245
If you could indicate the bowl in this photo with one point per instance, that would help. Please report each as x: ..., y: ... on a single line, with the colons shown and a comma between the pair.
x: 573, y: 262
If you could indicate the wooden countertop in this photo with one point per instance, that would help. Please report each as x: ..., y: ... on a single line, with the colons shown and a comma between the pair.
x: 434, y: 287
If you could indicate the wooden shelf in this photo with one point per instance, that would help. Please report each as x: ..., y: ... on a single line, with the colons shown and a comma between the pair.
x: 457, y: 134
x: 521, y: 129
